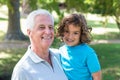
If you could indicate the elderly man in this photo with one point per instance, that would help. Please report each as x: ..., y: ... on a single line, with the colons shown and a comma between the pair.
x: 39, y: 62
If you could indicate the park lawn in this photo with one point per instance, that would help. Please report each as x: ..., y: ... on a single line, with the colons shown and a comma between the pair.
x: 8, y: 59
x: 108, y: 54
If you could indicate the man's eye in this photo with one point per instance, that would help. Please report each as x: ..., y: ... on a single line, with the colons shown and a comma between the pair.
x: 51, y: 28
x: 41, y: 27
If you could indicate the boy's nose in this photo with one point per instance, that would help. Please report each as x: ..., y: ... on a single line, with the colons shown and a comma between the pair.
x: 71, y: 36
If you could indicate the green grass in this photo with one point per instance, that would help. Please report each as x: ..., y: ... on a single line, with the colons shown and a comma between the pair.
x: 109, y: 56
x: 106, y: 36
x: 94, y: 24
x: 8, y: 59
x: 3, y: 19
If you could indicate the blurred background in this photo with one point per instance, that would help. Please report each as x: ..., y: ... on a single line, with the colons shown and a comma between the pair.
x: 102, y: 15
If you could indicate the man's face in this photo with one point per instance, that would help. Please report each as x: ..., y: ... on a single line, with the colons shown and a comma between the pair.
x: 42, y: 33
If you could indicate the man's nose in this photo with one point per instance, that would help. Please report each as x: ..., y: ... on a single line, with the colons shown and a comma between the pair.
x: 48, y: 31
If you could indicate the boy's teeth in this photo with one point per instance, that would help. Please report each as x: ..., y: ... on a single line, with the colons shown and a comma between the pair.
x: 69, y: 40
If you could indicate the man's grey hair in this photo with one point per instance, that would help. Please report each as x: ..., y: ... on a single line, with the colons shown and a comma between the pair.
x: 30, y: 18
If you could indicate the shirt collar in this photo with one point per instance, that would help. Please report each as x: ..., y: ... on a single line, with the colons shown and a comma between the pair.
x: 34, y: 57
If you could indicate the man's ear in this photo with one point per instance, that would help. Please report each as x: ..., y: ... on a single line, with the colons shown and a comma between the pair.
x: 28, y: 32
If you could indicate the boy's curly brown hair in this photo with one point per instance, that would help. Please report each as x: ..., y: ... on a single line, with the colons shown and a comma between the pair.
x: 76, y: 20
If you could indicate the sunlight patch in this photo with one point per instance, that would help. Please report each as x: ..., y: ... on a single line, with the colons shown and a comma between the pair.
x: 101, y: 30
x: 4, y: 55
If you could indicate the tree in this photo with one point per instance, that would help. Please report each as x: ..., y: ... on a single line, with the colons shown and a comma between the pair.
x: 102, y: 7
x: 14, y: 31
x: 108, y: 8
x: 28, y: 6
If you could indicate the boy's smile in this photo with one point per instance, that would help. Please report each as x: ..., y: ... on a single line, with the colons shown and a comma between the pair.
x: 72, y: 35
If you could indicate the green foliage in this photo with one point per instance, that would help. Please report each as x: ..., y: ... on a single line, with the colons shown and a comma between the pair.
x: 8, y: 3
x: 33, y: 4
x: 79, y: 5
x: 51, y: 5
x: 3, y: 2
x: 57, y: 43
x: 107, y: 7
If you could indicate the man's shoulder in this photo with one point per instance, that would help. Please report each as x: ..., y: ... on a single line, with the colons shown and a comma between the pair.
x: 23, y: 61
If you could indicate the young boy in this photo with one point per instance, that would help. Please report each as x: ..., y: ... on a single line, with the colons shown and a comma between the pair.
x: 78, y: 59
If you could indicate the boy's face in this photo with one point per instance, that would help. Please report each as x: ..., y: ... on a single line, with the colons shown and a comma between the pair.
x: 72, y: 35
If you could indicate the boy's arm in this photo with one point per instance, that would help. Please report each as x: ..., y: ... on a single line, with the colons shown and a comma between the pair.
x: 97, y: 76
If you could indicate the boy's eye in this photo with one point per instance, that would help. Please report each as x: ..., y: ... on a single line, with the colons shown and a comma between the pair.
x: 76, y: 33
x: 66, y: 31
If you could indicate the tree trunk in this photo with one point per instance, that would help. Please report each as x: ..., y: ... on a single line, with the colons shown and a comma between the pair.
x: 14, y: 31
x: 117, y: 19
x: 118, y: 24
